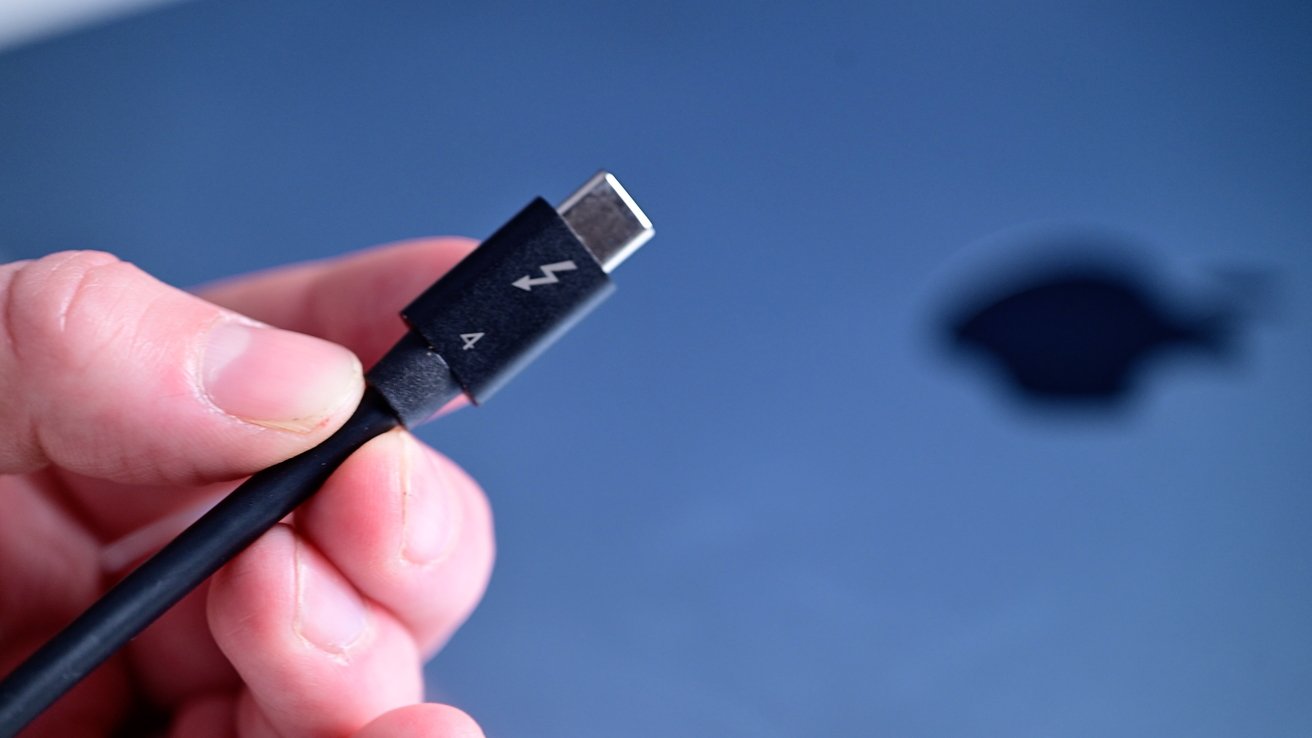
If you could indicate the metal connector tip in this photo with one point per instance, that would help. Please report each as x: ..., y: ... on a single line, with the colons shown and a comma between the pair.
x: 608, y: 222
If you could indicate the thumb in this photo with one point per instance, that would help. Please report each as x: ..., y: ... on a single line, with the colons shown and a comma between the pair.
x: 110, y: 373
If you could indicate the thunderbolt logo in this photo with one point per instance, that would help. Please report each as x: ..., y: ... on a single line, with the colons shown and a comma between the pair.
x: 527, y: 283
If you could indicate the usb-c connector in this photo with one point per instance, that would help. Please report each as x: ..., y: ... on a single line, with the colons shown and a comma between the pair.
x: 511, y: 298
x: 608, y: 222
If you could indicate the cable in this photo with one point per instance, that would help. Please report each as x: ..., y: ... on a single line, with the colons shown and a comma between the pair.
x: 199, y: 551
x: 469, y: 333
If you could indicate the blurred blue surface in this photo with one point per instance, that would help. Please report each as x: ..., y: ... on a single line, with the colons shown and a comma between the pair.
x: 797, y: 519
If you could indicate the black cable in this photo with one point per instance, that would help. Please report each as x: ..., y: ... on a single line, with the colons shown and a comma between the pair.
x: 159, y: 583
x: 469, y: 333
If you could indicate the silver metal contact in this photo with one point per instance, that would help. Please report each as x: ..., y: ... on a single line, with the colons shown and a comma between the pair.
x: 608, y: 222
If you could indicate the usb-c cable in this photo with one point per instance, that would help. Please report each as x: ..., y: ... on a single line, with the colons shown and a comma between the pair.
x: 470, y: 332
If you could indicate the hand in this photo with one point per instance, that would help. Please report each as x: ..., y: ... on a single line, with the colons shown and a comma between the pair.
x: 125, y: 404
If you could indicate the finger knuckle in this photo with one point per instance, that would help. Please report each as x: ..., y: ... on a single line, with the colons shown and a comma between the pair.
x: 55, y: 306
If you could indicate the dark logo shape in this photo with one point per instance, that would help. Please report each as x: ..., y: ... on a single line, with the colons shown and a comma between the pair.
x: 1082, y: 330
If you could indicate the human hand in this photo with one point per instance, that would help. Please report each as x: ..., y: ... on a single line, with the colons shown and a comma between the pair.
x: 124, y: 403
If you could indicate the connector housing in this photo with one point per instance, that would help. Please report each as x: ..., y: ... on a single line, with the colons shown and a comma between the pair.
x: 509, y: 299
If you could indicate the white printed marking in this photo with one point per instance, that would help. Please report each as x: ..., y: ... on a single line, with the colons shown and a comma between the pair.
x: 527, y: 283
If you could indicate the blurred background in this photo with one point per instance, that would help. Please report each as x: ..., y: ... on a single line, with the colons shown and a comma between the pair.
x: 963, y: 392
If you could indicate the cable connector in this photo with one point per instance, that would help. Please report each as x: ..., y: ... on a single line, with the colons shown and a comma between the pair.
x: 608, y: 222
x: 510, y: 299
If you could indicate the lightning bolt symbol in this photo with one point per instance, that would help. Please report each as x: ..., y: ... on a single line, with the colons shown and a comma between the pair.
x: 527, y: 283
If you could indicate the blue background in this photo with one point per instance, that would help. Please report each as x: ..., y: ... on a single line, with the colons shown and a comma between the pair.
x: 784, y: 513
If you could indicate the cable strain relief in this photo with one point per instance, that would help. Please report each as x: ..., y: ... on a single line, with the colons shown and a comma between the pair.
x: 414, y: 380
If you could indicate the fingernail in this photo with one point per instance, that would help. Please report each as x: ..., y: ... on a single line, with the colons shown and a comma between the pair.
x: 277, y: 378
x: 430, y: 512
x: 329, y: 614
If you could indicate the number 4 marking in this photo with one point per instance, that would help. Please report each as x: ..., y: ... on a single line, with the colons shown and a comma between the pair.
x: 470, y: 339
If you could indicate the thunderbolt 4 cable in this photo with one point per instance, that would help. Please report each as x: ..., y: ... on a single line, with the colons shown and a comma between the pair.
x: 470, y: 332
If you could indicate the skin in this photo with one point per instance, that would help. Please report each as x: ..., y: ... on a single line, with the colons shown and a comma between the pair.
x: 119, y: 416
